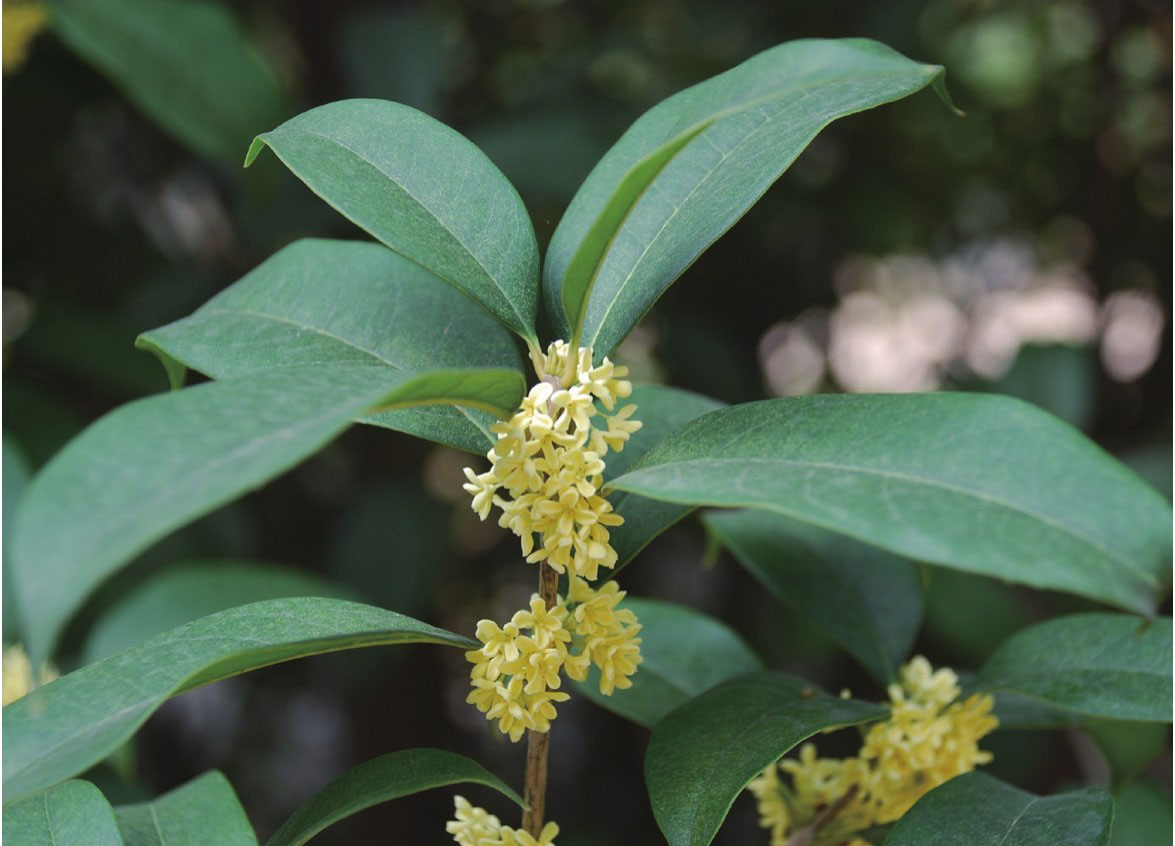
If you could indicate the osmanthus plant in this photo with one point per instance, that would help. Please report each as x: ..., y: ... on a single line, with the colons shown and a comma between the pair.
x: 828, y: 500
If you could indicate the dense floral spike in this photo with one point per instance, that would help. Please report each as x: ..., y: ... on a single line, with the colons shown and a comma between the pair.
x: 548, y: 464
x: 928, y: 739
x: 515, y: 673
x: 475, y: 826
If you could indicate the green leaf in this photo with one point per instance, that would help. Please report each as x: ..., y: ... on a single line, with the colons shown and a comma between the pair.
x: 977, y: 810
x: 703, y: 754
x: 193, y: 589
x: 1128, y: 747
x: 75, y: 812
x: 1100, y: 665
x: 660, y: 409
x: 380, y: 780
x: 71, y: 724
x: 205, y: 810
x: 685, y: 653
x: 318, y: 301
x: 422, y: 189
x: 981, y: 483
x: 1142, y: 816
x: 868, y: 601
x: 153, y: 465
x: 692, y: 166
x: 186, y: 63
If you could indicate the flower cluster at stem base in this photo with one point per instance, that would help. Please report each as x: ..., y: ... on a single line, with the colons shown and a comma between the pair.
x: 475, y: 826
x: 516, y: 672
x: 929, y: 737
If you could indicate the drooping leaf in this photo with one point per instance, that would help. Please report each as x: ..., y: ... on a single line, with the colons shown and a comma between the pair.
x: 75, y: 812
x: 423, y: 190
x: 205, y: 810
x: 868, y: 601
x: 692, y: 166
x: 1101, y: 665
x: 703, y: 754
x: 153, y: 465
x: 381, y: 780
x: 186, y: 63
x: 982, y: 483
x: 193, y: 589
x: 684, y: 652
x: 319, y: 301
x: 977, y: 810
x: 1142, y: 816
x: 70, y: 724
x: 660, y: 409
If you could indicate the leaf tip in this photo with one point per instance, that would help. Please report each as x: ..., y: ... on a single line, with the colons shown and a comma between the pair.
x: 255, y: 149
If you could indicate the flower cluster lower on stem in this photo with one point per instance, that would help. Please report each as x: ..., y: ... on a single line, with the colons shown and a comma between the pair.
x: 929, y: 737
x: 473, y: 826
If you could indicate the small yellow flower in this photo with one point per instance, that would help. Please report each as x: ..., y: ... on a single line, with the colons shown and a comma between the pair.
x: 22, y: 22
x: 19, y: 677
x: 475, y: 826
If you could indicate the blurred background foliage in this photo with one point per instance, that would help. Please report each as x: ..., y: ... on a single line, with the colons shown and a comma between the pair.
x: 1024, y: 248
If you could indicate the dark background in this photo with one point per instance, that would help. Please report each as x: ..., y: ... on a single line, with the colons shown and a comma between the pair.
x: 1058, y: 179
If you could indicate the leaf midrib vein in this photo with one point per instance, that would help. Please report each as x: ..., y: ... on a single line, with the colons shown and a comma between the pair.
x: 982, y: 496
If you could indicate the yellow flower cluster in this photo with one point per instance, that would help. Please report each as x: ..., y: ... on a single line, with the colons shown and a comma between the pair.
x: 475, y: 826
x: 21, y: 24
x: 549, y: 460
x: 515, y: 673
x: 19, y: 677
x: 929, y: 738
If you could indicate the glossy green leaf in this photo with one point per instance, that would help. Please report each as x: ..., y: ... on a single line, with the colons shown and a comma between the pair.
x: 981, y: 483
x: 186, y: 63
x: 205, y: 810
x: 70, y: 724
x: 1142, y: 816
x: 380, y: 780
x: 692, y: 166
x: 75, y: 812
x: 660, y: 409
x: 423, y: 190
x: 977, y: 810
x: 1100, y: 665
x: 318, y: 301
x: 193, y: 589
x: 153, y: 465
x: 684, y: 652
x: 702, y: 755
x: 868, y: 601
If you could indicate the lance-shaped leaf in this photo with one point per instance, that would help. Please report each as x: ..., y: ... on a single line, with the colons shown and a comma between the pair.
x: 868, y: 601
x: 381, y: 780
x: 982, y: 483
x: 422, y: 189
x: 192, y: 589
x: 660, y: 409
x: 151, y: 466
x: 205, y: 810
x: 70, y: 724
x: 75, y: 812
x: 186, y: 63
x: 684, y: 652
x: 1100, y: 665
x: 977, y: 810
x: 692, y: 166
x: 703, y: 754
x: 319, y: 301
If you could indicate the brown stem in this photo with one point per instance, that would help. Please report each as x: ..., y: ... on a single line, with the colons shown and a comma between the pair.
x: 804, y: 836
x: 535, y: 789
